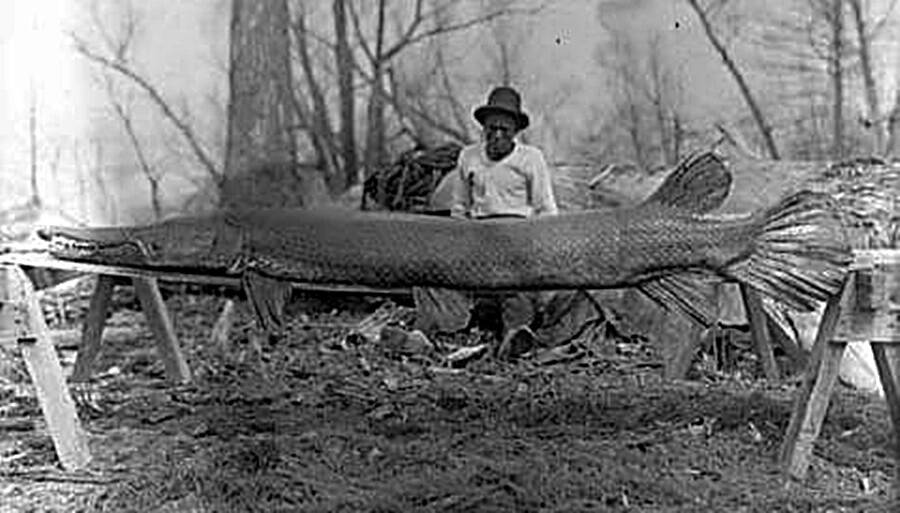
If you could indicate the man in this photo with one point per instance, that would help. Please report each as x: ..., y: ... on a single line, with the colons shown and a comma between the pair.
x: 495, y: 178
x: 500, y: 177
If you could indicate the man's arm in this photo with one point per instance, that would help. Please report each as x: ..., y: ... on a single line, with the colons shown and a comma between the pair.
x: 462, y: 192
x: 542, y: 198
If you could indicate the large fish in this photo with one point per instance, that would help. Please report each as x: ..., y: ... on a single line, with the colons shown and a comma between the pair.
x: 794, y: 251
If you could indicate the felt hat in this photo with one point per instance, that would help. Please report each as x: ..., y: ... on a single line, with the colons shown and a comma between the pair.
x: 506, y: 100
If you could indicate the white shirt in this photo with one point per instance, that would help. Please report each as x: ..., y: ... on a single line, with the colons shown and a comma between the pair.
x: 519, y: 184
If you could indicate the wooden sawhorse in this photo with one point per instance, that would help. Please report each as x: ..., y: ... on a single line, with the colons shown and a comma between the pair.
x: 22, y: 322
x: 866, y: 310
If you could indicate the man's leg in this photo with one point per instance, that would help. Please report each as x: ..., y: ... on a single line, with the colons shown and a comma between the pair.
x: 518, y: 314
x: 564, y: 315
x: 442, y: 310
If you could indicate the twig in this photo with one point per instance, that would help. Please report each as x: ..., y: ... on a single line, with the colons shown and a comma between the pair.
x: 57, y: 476
x: 82, y: 48
x: 764, y: 127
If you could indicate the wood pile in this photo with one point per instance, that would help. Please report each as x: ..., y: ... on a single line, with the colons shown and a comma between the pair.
x: 408, y: 183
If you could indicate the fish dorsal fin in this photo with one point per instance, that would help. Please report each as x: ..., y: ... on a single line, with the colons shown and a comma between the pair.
x: 699, y: 184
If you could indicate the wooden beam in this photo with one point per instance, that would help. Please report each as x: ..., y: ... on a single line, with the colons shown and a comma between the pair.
x: 759, y: 331
x: 887, y: 359
x: 92, y: 334
x: 815, y: 389
x: 157, y: 317
x: 183, y: 276
x: 46, y: 373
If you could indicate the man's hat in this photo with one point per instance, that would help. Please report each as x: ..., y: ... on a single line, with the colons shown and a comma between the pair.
x: 506, y: 100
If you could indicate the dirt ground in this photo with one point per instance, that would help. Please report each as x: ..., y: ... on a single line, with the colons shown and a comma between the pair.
x: 323, y: 421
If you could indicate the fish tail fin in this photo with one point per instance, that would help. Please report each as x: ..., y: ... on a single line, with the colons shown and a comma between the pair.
x: 799, y: 254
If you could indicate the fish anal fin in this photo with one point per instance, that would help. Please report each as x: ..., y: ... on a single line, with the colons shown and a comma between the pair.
x: 691, y: 294
x: 699, y: 184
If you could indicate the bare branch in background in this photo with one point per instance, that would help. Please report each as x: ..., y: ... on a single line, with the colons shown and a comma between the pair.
x: 411, y: 38
x: 322, y: 134
x: 456, y: 108
x: 153, y: 178
x: 874, y: 117
x: 836, y: 19
x: 156, y: 97
x: 32, y: 142
x: 759, y: 118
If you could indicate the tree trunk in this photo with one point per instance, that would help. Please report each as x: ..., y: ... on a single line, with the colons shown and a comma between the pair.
x: 261, y: 153
x: 32, y: 134
x: 837, y: 79
x: 375, y: 137
x: 321, y: 133
x: 893, y: 142
x: 344, y: 62
x: 875, y: 119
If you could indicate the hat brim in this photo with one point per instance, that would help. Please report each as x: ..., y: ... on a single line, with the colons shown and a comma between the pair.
x: 482, y: 112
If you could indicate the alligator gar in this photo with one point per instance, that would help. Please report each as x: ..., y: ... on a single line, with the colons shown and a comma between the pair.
x: 794, y: 251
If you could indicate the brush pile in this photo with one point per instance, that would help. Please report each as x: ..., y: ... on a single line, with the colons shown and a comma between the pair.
x: 408, y: 183
x: 867, y: 193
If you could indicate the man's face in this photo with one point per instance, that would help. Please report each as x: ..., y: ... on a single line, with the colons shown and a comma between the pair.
x: 499, y: 131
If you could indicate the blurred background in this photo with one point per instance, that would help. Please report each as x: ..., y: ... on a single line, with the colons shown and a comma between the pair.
x: 117, y: 111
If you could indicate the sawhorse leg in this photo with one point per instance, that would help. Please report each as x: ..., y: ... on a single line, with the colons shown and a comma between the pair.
x: 92, y: 332
x: 157, y: 316
x: 887, y: 359
x: 154, y: 308
x: 815, y: 391
x: 45, y: 370
x: 759, y: 331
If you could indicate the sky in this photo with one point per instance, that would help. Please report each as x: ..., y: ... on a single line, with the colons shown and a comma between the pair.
x: 87, y: 168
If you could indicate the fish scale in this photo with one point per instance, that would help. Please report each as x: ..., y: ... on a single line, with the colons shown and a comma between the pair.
x: 655, y: 246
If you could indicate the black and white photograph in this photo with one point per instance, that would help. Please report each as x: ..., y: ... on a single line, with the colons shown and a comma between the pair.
x: 538, y: 256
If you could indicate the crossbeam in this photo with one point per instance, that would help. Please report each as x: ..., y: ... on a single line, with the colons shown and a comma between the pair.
x: 45, y: 260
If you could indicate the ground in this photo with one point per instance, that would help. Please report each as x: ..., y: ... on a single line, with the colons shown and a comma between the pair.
x: 323, y: 421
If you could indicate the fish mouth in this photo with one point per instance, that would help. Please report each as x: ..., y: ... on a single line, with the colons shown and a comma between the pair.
x: 96, y: 244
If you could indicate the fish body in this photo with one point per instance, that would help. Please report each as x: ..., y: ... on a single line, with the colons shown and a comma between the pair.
x: 794, y: 250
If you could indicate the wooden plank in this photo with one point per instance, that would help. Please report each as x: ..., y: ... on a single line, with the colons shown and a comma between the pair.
x: 876, y: 307
x: 157, y: 317
x: 815, y: 389
x: 222, y: 328
x: 868, y: 258
x: 92, y: 333
x: 45, y: 260
x: 46, y: 373
x: 887, y: 359
x: 759, y: 331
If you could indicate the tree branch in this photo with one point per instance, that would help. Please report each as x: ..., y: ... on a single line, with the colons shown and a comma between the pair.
x: 121, y: 68
x: 764, y: 127
x: 412, y: 38
x: 152, y: 178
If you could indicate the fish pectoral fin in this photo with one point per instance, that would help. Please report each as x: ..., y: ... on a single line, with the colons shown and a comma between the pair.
x: 699, y: 184
x: 690, y: 294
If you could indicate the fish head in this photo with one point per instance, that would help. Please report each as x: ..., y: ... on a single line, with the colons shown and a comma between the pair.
x: 181, y: 242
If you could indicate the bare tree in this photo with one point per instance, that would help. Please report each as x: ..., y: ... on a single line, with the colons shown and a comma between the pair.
x: 261, y: 154
x: 32, y: 139
x: 646, y: 96
x: 321, y: 132
x: 422, y: 26
x: 120, y: 48
x: 765, y: 128
x: 836, y: 19
x: 347, y: 96
x: 874, y: 118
